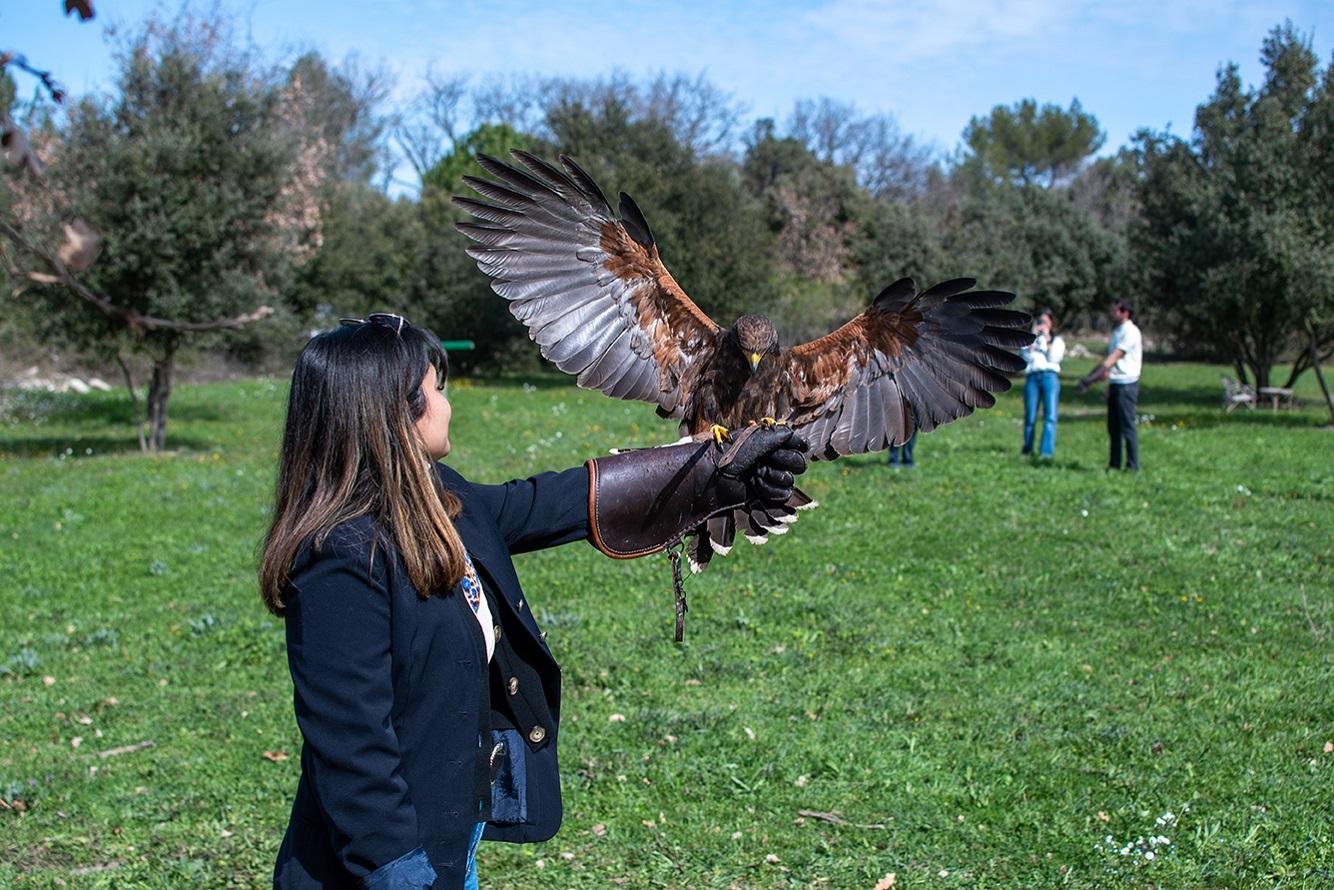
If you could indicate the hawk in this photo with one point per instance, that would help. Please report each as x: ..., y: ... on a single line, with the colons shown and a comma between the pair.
x: 594, y: 293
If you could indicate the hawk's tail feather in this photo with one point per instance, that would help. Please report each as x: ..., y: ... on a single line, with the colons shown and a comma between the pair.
x: 800, y: 500
x: 698, y: 551
x: 718, y: 533
x: 721, y: 531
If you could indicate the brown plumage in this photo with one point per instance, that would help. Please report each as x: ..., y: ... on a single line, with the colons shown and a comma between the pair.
x: 594, y: 293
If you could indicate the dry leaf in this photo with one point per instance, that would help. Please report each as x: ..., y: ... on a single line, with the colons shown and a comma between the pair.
x: 81, y: 245
x: 599, y: 830
x: 17, y: 150
x: 886, y: 882
x: 83, y: 7
x: 275, y: 756
x: 1329, y: 747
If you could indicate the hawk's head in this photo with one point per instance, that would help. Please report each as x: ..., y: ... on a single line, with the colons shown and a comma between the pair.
x: 755, y: 337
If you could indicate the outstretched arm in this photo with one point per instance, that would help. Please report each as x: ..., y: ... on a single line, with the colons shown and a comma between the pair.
x: 541, y: 511
x: 1101, y: 370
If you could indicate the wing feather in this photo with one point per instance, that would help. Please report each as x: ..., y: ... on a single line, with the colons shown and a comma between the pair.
x: 912, y: 361
x: 589, y: 285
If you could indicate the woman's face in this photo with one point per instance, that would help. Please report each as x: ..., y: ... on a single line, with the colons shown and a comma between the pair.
x: 433, y: 425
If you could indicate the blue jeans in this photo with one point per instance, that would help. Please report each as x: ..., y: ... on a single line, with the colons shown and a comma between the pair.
x: 470, y: 880
x: 1044, y: 386
x: 901, y: 455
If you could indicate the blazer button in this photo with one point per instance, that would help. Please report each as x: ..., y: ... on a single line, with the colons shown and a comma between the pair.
x: 514, y: 685
x: 520, y: 604
x: 536, y: 734
x: 497, y: 631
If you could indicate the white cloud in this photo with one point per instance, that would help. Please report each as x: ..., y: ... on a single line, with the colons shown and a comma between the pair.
x: 908, y: 33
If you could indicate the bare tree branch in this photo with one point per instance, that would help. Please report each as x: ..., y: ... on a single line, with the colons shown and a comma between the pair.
x: 139, y: 324
x: 429, y: 131
x: 701, y: 115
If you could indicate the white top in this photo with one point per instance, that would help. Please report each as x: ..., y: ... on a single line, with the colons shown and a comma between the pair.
x: 1044, y: 354
x: 483, y: 615
x: 1126, y: 337
x: 473, y: 590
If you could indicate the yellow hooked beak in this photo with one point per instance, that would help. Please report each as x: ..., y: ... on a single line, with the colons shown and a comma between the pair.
x: 754, y: 359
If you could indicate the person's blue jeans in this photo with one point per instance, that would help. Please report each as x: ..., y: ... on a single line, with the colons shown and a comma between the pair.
x: 901, y: 455
x: 1042, y: 387
x: 470, y: 880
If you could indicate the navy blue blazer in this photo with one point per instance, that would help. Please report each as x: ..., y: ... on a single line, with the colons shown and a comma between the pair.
x: 391, y: 689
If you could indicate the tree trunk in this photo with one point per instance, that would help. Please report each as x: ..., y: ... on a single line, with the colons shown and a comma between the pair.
x: 1298, y: 369
x: 1315, y: 365
x: 159, y: 392
x: 1242, y: 377
x: 1310, y: 358
x: 1260, y: 360
x: 134, y: 402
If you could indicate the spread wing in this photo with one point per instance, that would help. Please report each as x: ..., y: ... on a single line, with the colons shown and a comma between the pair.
x: 911, y: 361
x: 590, y: 286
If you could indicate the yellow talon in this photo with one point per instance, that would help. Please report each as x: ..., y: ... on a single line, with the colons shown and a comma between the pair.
x: 719, y: 433
x: 769, y: 421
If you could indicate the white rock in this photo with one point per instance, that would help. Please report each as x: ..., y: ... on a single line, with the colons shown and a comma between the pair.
x: 99, y: 384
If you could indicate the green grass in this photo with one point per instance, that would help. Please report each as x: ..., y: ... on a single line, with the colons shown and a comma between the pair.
x: 985, y: 666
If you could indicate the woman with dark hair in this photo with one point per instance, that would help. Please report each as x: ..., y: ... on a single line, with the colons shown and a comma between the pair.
x: 427, y: 699
x: 1042, y: 383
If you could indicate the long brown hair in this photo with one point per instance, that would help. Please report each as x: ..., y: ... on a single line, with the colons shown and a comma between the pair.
x: 350, y: 448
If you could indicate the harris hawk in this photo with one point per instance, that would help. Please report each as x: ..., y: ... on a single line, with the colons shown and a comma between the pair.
x: 594, y: 293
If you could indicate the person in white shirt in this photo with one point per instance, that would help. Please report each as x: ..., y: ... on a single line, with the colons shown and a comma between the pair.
x: 1042, y: 384
x: 1125, y: 357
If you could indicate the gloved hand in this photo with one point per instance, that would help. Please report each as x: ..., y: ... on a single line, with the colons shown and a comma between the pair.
x: 763, y: 460
x: 1090, y: 378
x: 641, y: 501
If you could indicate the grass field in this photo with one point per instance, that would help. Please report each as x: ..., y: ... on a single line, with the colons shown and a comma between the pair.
x: 979, y: 673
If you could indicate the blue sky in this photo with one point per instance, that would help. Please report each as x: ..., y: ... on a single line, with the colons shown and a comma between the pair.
x: 932, y: 63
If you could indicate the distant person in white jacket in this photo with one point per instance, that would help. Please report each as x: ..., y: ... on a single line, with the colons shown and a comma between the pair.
x: 1125, y: 358
x: 1042, y: 384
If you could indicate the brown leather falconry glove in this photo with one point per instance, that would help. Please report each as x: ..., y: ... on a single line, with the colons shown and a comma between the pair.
x: 643, y: 501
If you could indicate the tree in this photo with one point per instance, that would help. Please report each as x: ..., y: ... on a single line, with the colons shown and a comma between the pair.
x: 1238, y: 226
x: 369, y: 258
x: 1025, y: 144
x: 187, y: 173
x: 1036, y: 242
x: 813, y: 205
x: 886, y: 162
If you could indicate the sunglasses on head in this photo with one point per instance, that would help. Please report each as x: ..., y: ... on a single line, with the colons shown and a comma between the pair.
x: 383, y: 319
x: 395, y: 323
